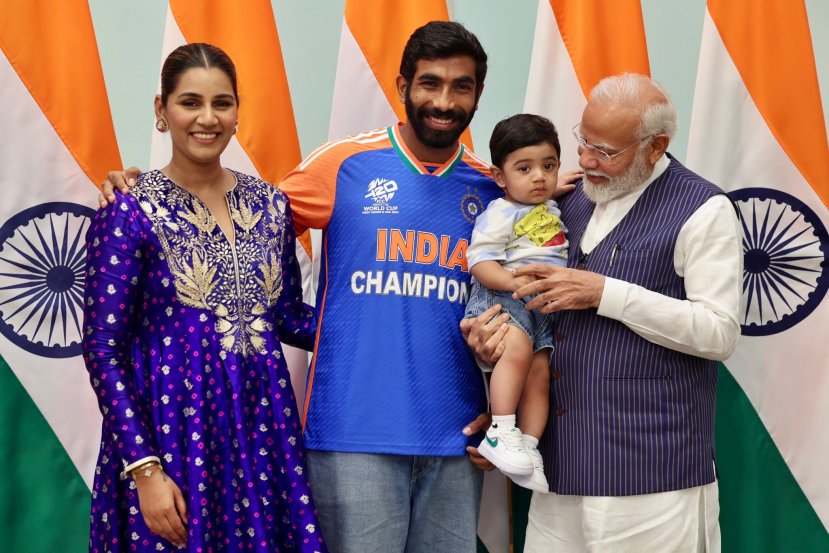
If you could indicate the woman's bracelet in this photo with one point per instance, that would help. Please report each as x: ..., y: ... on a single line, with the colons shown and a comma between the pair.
x: 146, y: 469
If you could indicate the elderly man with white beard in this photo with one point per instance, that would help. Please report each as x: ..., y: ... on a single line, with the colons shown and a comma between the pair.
x: 648, y: 304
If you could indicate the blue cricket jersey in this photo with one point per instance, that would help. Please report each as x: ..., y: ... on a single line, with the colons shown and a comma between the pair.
x: 391, y: 372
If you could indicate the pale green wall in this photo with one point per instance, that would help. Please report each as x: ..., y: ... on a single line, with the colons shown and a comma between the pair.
x: 130, y: 35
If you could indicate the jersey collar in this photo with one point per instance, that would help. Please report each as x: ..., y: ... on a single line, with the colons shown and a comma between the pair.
x: 415, y: 164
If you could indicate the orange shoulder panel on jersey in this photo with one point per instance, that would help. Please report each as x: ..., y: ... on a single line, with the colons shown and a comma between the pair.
x: 311, y: 186
x: 471, y: 159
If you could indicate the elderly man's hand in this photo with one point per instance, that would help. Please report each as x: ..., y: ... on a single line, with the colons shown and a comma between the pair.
x: 122, y: 180
x: 480, y: 424
x: 485, y: 334
x: 559, y: 288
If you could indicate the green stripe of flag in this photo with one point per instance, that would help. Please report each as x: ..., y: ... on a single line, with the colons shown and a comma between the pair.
x: 44, y: 502
x: 762, y: 508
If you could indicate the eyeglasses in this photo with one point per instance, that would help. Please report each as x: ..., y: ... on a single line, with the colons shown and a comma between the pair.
x: 606, y: 156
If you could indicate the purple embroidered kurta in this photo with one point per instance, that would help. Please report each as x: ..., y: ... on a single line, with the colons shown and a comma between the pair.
x: 182, y: 340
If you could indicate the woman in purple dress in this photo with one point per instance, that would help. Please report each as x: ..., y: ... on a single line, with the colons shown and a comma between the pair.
x: 192, y: 286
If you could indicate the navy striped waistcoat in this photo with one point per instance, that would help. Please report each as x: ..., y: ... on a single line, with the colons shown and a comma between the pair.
x: 628, y: 416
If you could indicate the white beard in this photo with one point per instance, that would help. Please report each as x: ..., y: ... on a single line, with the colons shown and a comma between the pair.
x: 618, y: 186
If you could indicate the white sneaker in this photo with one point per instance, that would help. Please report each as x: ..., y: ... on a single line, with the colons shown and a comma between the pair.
x: 504, y: 448
x: 535, y: 481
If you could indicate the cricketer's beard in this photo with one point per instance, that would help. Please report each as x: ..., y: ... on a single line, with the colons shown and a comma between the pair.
x: 434, y: 138
x: 620, y: 185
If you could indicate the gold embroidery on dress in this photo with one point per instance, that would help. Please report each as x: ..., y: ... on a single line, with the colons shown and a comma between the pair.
x: 194, y: 282
x: 271, y: 281
x: 238, y: 283
x: 200, y: 217
x: 245, y: 217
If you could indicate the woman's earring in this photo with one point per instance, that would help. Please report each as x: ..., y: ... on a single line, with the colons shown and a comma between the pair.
x: 236, y: 128
x: 161, y: 125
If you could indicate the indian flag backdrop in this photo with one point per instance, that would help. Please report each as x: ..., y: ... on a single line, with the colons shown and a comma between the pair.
x: 578, y: 43
x: 58, y: 140
x: 266, y: 144
x: 759, y: 132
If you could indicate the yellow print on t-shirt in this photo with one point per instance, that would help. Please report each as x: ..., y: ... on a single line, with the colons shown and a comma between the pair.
x: 540, y: 226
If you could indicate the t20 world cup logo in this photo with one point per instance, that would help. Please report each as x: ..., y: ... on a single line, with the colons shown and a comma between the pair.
x: 381, y: 190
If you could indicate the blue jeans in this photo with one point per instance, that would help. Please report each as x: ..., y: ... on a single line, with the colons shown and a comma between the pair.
x: 371, y: 503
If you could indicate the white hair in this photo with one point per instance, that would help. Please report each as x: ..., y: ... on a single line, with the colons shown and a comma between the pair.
x: 633, y: 90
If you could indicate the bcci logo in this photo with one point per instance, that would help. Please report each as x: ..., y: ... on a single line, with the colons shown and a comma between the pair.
x: 471, y: 206
x: 381, y: 192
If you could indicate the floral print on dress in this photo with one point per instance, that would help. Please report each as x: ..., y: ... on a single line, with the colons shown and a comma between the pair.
x: 182, y: 340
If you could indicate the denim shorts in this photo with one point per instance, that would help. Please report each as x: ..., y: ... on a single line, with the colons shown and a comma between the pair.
x: 538, y: 326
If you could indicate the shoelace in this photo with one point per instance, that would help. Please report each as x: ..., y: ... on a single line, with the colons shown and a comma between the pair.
x: 514, y: 441
x: 535, y: 456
